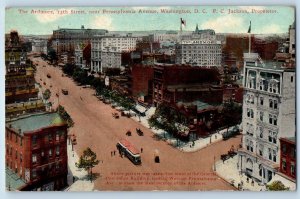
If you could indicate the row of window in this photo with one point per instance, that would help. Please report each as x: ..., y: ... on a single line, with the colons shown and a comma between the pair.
x: 291, y: 167
x: 272, y: 118
x: 9, y: 152
x: 272, y: 154
x: 59, y: 135
x: 49, y: 154
x: 18, y: 139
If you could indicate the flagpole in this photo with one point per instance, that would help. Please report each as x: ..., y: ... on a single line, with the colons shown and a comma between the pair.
x: 249, y: 31
x: 249, y: 42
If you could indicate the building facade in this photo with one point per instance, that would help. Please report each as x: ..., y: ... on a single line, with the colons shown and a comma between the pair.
x: 65, y: 40
x: 268, y: 114
x: 288, y: 157
x: 199, y: 49
x: 174, y: 83
x: 106, y: 51
x: 36, y: 151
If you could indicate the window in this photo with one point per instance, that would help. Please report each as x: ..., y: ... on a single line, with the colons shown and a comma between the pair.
x: 293, y: 152
x: 16, y: 154
x: 292, y: 79
x: 33, y: 173
x: 261, y: 101
x: 261, y: 116
x: 292, y: 168
x: 21, y: 171
x: 34, y: 140
x: 16, y: 138
x: 250, y: 113
x: 270, y: 154
x: 274, y: 156
x: 57, y: 136
x: 21, y: 157
x: 261, y: 149
x: 273, y: 137
x: 283, y: 149
x: 34, y: 159
x: 283, y: 164
x: 21, y: 141
x: 57, y: 150
x: 57, y: 166
x: 42, y: 153
x: 270, y: 103
x: 273, y: 119
x: 50, y: 152
x: 50, y: 137
x: 275, y: 104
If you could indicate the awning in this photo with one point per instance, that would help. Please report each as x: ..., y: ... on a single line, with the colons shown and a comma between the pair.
x: 285, y: 181
x: 140, y: 108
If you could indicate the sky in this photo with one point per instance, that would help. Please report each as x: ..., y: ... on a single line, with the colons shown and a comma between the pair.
x: 277, y: 20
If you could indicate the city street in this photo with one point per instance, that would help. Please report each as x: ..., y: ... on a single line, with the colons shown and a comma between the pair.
x: 96, y: 128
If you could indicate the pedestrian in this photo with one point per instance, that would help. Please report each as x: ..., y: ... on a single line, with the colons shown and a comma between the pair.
x: 114, y: 152
x: 215, y: 136
x: 111, y: 153
x: 141, y: 150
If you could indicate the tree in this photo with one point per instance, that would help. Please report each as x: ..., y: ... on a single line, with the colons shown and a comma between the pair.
x: 277, y: 186
x: 52, y: 55
x: 87, y: 161
x: 47, y: 94
x: 68, y: 69
x: 63, y: 113
x: 231, y: 114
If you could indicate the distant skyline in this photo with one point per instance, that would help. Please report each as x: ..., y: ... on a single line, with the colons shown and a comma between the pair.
x: 130, y: 19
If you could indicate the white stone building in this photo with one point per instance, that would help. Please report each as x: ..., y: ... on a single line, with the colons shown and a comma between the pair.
x: 106, y: 51
x: 268, y: 114
x: 39, y: 46
x: 199, y: 49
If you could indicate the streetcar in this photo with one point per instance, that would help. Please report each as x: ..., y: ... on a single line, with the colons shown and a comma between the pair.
x: 127, y: 149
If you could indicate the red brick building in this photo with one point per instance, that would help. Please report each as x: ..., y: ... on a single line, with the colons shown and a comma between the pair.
x: 173, y: 83
x: 36, y: 151
x: 142, y: 80
x: 288, y: 157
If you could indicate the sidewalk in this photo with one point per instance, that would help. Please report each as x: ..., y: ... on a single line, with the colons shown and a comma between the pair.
x: 82, y: 183
x: 183, y: 146
x: 230, y: 173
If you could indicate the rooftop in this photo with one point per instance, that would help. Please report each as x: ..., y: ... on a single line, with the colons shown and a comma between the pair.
x: 13, y: 181
x: 35, y: 121
x: 201, y: 106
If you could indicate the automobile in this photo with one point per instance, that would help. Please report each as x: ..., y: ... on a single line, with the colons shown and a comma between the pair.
x: 232, y: 131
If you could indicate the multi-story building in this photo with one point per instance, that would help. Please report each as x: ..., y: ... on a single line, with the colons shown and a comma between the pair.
x: 268, y: 114
x: 36, y: 152
x: 103, y: 60
x: 19, y: 77
x: 288, y: 157
x: 39, y: 46
x: 106, y: 51
x: 83, y: 56
x: 199, y: 49
x: 174, y: 83
x: 65, y: 39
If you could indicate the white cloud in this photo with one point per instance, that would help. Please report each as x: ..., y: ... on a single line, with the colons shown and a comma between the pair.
x: 226, y: 24
x: 102, y: 22
x: 54, y: 16
x: 272, y: 28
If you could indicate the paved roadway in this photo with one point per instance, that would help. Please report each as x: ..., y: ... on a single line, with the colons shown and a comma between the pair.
x: 96, y: 128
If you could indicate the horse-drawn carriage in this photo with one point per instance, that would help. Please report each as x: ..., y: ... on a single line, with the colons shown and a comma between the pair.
x: 139, y: 132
